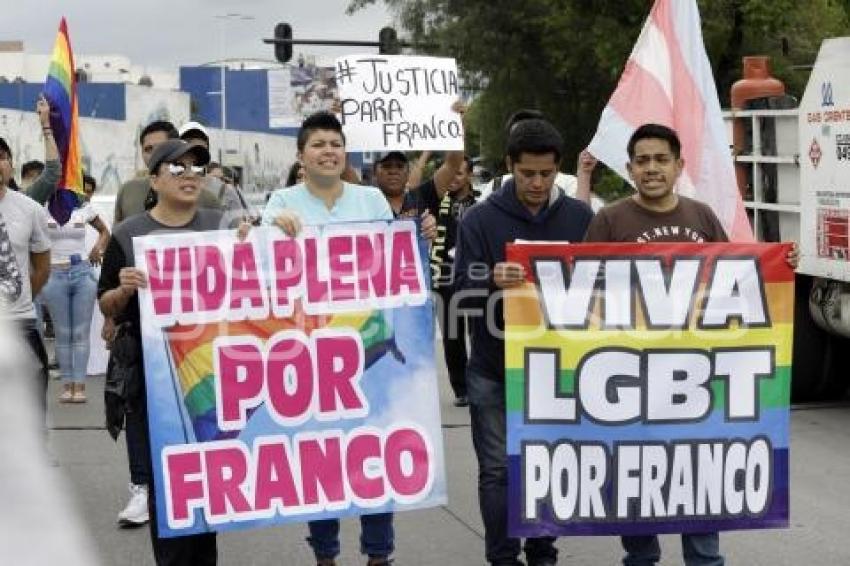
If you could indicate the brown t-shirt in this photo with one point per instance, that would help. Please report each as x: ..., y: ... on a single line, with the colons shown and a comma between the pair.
x: 627, y: 221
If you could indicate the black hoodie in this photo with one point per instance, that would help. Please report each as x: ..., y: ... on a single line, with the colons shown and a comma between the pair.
x: 484, y: 231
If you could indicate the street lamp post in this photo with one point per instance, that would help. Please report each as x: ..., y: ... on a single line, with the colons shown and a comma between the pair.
x: 223, y: 19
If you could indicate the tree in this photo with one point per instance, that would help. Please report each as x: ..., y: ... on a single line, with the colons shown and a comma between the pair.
x: 565, y: 57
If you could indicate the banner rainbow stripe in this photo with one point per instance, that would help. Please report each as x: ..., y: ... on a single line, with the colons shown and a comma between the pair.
x: 191, y: 348
x: 60, y: 90
x: 526, y: 329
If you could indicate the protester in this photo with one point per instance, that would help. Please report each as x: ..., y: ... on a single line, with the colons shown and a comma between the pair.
x: 447, y: 202
x: 225, y: 193
x: 176, y: 171
x: 44, y: 184
x: 295, y: 175
x: 324, y: 198
x: 30, y: 171
x: 70, y: 294
x: 26, y: 227
x: 657, y: 213
x: 529, y: 207
x: 577, y: 186
x: 89, y: 187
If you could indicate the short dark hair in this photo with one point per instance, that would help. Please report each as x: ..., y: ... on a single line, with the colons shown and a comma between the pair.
x: 318, y: 121
x: 534, y: 136
x: 519, y: 116
x: 159, y: 126
x: 656, y: 132
x: 89, y: 180
x: 34, y: 166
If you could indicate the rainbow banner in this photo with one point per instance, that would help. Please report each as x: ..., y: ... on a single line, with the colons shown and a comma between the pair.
x: 648, y: 388
x: 60, y: 90
x: 290, y: 379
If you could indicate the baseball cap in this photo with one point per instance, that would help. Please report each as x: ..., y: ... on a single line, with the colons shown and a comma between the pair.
x: 391, y: 156
x: 171, y: 150
x: 193, y: 127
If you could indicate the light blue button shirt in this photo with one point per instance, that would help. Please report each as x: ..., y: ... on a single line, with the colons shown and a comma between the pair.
x: 358, y: 203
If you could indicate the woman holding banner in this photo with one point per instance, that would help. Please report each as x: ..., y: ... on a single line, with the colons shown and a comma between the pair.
x: 324, y: 198
x: 176, y: 171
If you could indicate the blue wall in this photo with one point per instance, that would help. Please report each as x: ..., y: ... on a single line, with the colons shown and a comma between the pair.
x: 247, y: 101
x: 247, y: 98
x: 96, y: 100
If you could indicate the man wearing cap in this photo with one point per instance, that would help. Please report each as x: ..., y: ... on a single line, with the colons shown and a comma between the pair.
x: 136, y: 196
x: 176, y: 170
x: 195, y: 133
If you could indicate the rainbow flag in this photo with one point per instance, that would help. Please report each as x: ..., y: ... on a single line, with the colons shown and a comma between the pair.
x: 192, y: 356
x: 532, y: 328
x: 60, y: 90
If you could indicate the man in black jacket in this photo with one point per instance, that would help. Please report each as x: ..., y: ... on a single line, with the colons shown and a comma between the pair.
x: 528, y: 207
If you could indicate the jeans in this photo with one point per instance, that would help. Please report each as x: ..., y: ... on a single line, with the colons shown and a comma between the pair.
x: 69, y: 296
x: 190, y: 550
x: 697, y: 549
x: 453, y: 328
x: 138, y: 451
x: 376, y: 536
x: 489, y: 436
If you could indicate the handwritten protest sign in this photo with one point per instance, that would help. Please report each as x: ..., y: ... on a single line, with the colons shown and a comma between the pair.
x: 399, y: 103
x: 289, y: 379
x: 648, y: 388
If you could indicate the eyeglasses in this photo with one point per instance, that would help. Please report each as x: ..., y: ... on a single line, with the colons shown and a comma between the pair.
x: 181, y: 170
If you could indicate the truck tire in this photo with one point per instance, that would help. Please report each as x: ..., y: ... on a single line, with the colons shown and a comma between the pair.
x: 820, y: 359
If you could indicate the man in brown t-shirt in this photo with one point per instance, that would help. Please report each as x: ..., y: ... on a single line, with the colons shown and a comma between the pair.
x: 655, y: 213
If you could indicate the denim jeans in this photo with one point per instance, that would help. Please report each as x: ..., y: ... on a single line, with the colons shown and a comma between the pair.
x: 69, y: 296
x: 377, y: 537
x: 697, y: 550
x: 489, y: 436
x: 136, y: 436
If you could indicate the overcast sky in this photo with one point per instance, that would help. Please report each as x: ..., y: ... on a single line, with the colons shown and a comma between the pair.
x: 169, y: 33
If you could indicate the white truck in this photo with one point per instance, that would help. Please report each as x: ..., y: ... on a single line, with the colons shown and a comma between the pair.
x: 798, y: 169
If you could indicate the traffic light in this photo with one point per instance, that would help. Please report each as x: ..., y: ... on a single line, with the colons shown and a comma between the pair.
x: 388, y: 42
x: 283, y: 51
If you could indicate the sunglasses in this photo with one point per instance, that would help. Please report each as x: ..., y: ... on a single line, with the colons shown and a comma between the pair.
x: 181, y: 170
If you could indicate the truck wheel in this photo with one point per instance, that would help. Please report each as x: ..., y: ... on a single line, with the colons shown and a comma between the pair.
x: 819, y: 368
x: 808, y: 376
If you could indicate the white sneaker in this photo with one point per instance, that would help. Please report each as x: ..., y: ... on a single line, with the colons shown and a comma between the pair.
x: 136, y: 511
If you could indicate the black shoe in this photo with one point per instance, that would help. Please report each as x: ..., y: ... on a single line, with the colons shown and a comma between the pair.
x: 461, y: 401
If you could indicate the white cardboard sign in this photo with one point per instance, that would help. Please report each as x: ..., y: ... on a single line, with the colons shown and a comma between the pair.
x: 396, y: 102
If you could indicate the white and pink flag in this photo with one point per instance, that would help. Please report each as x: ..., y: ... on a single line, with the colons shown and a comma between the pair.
x: 668, y: 80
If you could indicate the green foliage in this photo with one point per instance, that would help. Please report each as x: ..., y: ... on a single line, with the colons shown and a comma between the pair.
x: 565, y: 57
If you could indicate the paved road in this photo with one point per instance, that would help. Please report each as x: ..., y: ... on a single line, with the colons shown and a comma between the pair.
x: 96, y: 473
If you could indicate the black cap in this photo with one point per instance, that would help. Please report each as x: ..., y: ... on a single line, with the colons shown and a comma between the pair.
x: 171, y: 150
x: 391, y: 156
x: 5, y: 147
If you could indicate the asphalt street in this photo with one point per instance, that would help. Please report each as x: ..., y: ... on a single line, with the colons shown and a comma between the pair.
x: 94, y: 470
